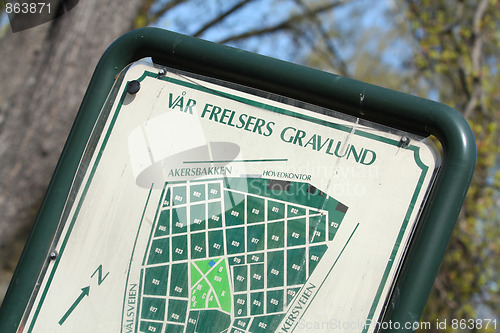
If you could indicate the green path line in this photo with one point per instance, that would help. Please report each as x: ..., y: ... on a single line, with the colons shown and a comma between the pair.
x: 85, y: 292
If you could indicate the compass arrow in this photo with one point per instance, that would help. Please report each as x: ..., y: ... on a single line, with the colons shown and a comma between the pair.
x: 85, y: 292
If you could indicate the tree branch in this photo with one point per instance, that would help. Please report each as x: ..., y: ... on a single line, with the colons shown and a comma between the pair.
x: 287, y: 24
x: 165, y: 8
x: 332, y: 50
x: 476, y: 56
x: 221, y: 17
x: 145, y: 18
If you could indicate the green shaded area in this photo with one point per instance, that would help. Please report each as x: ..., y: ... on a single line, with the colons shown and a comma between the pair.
x: 255, y: 237
x: 295, y: 267
x: 153, y: 308
x: 160, y: 251
x: 213, y: 191
x: 218, y: 277
x: 290, y: 294
x: 275, y: 210
x: 195, y: 274
x: 148, y: 326
x: 255, y: 209
x: 207, y: 321
x: 317, y: 229
x: 199, y: 294
x: 236, y: 260
x: 215, y: 243
x: 214, y: 215
x: 275, y: 301
x: 235, y: 208
x: 179, y: 248
x: 235, y: 239
x: 212, y: 300
x: 257, y: 276
x: 241, y: 323
x: 275, y: 269
x: 294, y: 211
x: 255, y: 258
x: 177, y: 310
x: 198, y: 218
x: 210, y: 285
x: 257, y: 303
x: 166, y: 199
x: 276, y: 235
x: 198, y: 245
x: 156, y: 280
x: 296, y: 232
x: 205, y: 265
x: 264, y: 324
x: 336, y: 213
x: 179, y: 220
x: 209, y: 289
x: 179, y: 281
x: 315, y: 255
x: 179, y: 195
x: 240, y: 305
x: 163, y: 224
x: 240, y: 276
x: 197, y: 193
x: 294, y: 193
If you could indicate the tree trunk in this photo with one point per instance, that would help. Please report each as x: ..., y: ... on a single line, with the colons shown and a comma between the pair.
x: 44, y: 72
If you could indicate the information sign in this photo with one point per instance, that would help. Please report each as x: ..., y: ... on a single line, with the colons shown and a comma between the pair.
x: 209, y: 209
x: 203, y: 205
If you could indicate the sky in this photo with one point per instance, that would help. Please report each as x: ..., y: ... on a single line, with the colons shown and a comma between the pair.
x: 375, y: 17
x: 187, y: 18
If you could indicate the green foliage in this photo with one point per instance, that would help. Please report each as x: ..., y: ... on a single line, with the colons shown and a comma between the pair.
x: 458, y: 57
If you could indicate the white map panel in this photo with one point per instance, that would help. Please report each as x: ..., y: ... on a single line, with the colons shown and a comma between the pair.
x: 203, y: 208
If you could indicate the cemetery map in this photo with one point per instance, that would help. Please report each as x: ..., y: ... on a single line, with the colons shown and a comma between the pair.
x: 231, y: 254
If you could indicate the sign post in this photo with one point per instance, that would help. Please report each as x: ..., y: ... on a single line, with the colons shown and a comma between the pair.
x: 215, y: 190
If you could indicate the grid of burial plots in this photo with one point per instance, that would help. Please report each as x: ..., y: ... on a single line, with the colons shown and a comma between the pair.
x: 243, y: 254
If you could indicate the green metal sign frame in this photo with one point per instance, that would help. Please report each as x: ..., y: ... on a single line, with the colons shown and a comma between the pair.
x: 369, y: 102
